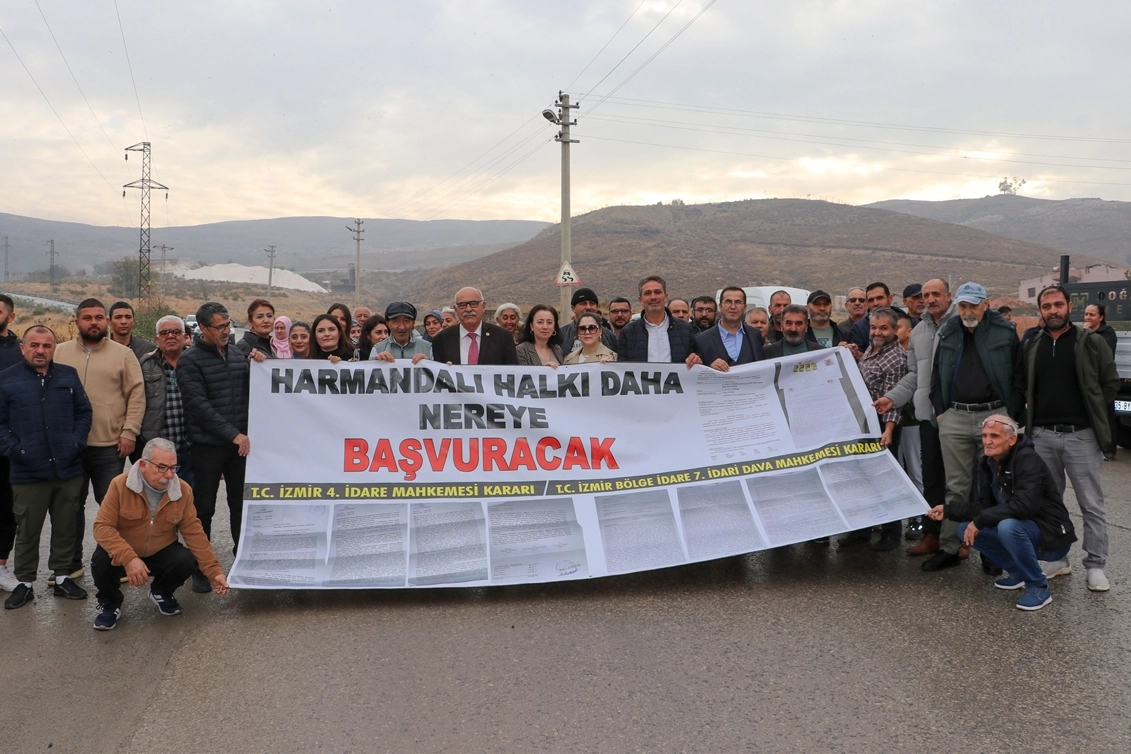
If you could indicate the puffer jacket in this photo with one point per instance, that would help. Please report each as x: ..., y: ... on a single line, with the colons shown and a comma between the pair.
x: 44, y: 421
x: 996, y: 340
x: 126, y: 530
x: 10, y: 354
x: 215, y: 389
x: 1030, y: 495
x: 250, y: 341
x: 632, y: 343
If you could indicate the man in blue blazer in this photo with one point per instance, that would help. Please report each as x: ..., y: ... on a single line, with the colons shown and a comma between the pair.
x: 731, y: 341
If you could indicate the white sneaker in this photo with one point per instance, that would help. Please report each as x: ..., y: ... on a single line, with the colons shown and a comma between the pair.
x: 1097, y: 582
x: 1054, y: 568
x: 8, y: 582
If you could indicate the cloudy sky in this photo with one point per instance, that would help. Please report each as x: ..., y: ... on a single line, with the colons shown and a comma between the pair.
x: 431, y: 108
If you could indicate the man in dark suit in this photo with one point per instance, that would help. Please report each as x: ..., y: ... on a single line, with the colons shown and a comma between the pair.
x: 794, y: 326
x: 473, y: 341
x: 731, y: 341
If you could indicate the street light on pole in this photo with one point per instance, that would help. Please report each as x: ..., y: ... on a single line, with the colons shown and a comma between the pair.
x: 566, y: 278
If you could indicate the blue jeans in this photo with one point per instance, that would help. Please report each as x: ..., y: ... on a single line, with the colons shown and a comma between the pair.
x: 1013, y: 545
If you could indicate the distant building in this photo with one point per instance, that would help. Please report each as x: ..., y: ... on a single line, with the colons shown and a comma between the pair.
x: 1097, y: 273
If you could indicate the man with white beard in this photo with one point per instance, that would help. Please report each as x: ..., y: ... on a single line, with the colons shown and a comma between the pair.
x: 977, y: 372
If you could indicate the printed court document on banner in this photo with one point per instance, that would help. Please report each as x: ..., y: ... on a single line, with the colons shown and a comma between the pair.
x: 717, y: 521
x: 794, y: 507
x: 447, y: 543
x: 369, y: 545
x: 816, y: 404
x: 430, y: 476
x: 536, y: 540
x: 639, y: 531
x: 282, y: 545
x: 741, y: 415
x: 872, y: 490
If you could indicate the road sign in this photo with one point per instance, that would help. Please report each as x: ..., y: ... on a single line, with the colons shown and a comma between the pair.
x: 567, y: 275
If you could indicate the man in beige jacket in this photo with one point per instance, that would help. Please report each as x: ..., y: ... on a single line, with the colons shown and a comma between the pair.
x: 136, y: 531
x: 112, y: 378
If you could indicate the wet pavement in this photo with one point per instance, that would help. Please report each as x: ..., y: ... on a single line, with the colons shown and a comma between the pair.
x: 800, y: 649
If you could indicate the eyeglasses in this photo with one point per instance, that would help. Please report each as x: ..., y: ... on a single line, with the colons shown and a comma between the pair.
x: 620, y: 311
x: 587, y: 328
x: 170, y: 333
x: 165, y: 467
x: 856, y: 300
x: 991, y: 422
x: 221, y: 328
x: 467, y: 304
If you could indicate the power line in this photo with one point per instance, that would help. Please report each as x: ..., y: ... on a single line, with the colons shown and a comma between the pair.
x: 610, y: 73
x: 426, y: 206
x: 654, y: 55
x: 728, y: 130
x: 61, y: 122
x: 594, y: 60
x: 847, y: 164
x: 489, y: 181
x: 793, y: 137
x: 855, y: 123
x: 423, y: 192
x: 74, y: 77
x: 131, y: 67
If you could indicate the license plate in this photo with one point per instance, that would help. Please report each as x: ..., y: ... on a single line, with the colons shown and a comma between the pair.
x: 1123, y: 407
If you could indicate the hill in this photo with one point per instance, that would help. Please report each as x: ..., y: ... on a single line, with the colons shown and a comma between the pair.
x: 698, y: 248
x: 1080, y: 226
x: 302, y: 242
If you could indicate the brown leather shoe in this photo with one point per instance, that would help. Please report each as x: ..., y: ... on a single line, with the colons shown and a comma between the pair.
x: 963, y: 552
x: 928, y: 544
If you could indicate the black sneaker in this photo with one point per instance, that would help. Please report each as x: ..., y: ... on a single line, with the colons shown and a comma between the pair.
x: 108, y: 616
x: 19, y: 597
x: 69, y: 590
x: 914, y: 529
x: 200, y: 583
x: 166, y: 603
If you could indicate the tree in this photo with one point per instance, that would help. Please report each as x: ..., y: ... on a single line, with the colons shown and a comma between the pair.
x: 1010, y: 186
x: 124, y: 275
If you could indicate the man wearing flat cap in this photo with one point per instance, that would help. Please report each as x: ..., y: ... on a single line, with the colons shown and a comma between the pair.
x: 404, y: 342
x: 584, y: 300
x: 914, y: 302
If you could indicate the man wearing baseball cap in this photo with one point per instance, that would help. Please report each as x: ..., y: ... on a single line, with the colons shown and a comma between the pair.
x: 584, y: 300
x: 822, y: 330
x: 404, y: 342
x: 977, y: 372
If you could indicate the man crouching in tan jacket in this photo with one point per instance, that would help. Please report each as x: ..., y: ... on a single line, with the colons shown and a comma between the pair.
x: 136, y: 531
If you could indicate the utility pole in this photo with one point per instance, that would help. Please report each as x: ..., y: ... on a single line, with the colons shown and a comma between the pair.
x: 164, y: 249
x: 144, y: 278
x: 6, y: 248
x: 271, y: 268
x: 51, y: 253
x: 562, y: 118
x: 357, y: 231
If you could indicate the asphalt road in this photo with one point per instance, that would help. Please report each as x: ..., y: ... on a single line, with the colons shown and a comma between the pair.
x: 800, y: 649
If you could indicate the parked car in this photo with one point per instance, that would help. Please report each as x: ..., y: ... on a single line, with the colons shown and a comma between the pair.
x: 191, y: 325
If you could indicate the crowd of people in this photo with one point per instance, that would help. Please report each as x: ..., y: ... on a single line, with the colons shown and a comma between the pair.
x: 987, y: 425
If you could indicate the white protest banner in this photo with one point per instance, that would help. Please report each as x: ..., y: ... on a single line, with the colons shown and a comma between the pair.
x: 379, y: 475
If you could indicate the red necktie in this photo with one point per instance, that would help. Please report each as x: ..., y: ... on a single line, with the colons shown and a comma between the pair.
x: 473, y: 349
